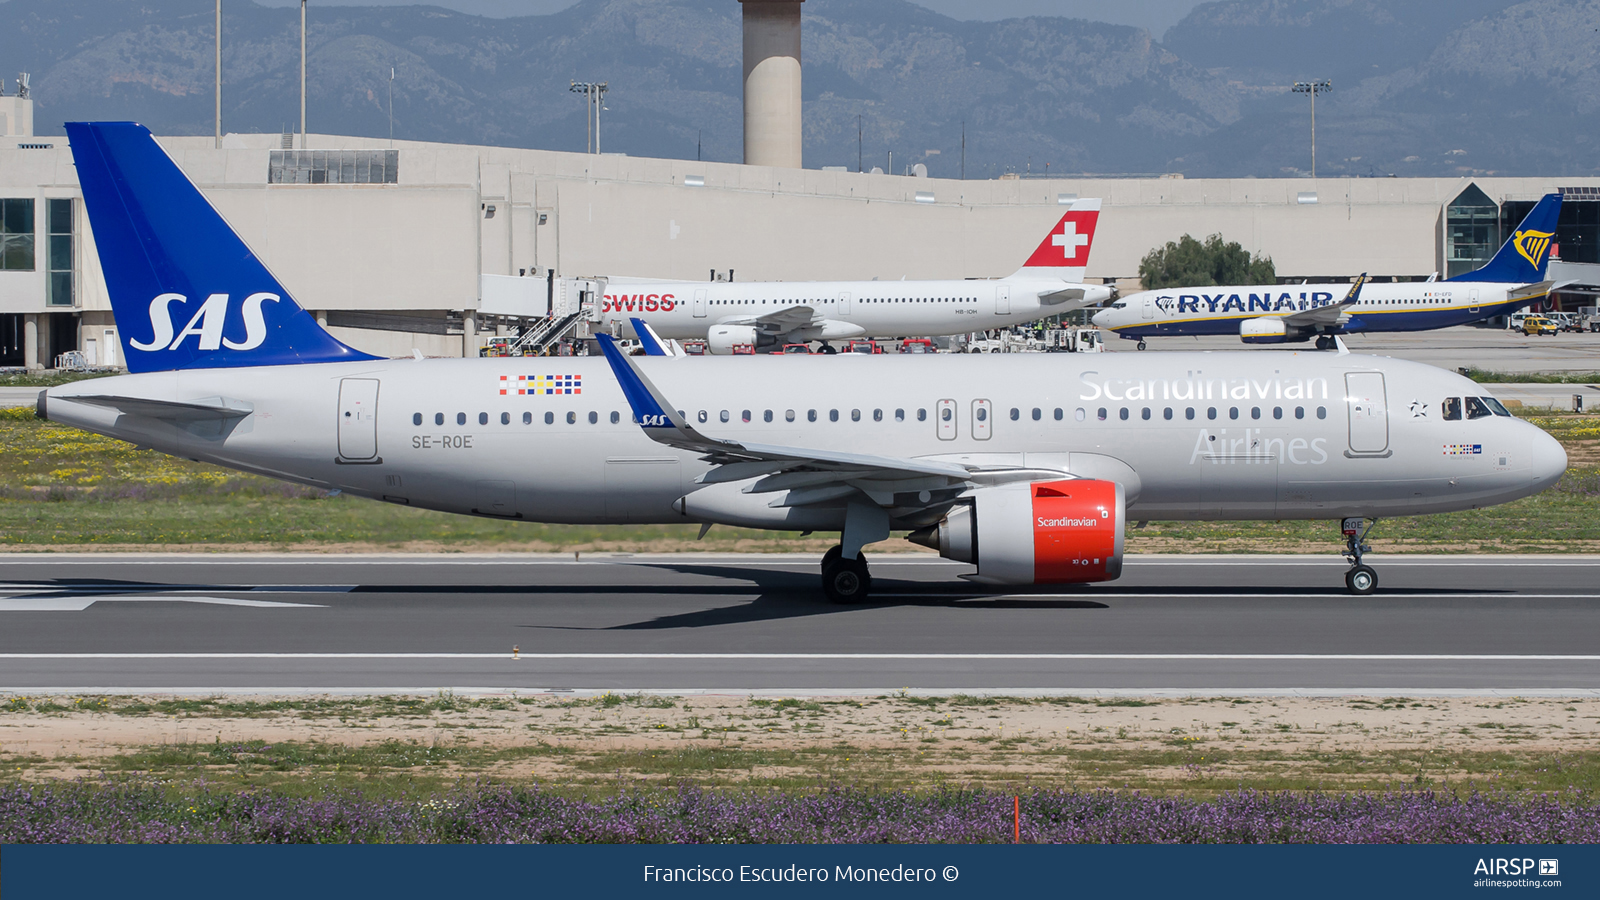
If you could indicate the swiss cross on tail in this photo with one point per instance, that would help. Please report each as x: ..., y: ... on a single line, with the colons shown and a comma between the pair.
x: 1064, y: 252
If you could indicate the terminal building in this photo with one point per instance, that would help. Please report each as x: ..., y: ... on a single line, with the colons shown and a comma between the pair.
x: 406, y: 246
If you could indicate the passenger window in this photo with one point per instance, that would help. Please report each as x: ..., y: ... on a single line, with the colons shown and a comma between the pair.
x: 1015, y: 414
x: 1059, y: 414
x: 702, y: 415
x: 527, y: 418
x: 1124, y: 414
x: 1233, y: 412
x: 594, y: 418
x: 833, y: 415
x: 461, y: 418
x: 1167, y: 414
x: 616, y: 417
x: 1322, y: 412
x: 1037, y: 414
x: 483, y: 418
x: 549, y: 418
x: 983, y: 414
x: 1255, y: 412
x: 811, y: 415
x: 766, y: 415
x: 723, y: 415
x: 1145, y: 414
x: 572, y: 418
x: 922, y: 415
x: 899, y: 415
x: 1476, y: 409
x: 855, y: 415
x: 1299, y: 412
x: 745, y: 416
x: 1102, y: 413
x: 1452, y: 409
x: 877, y: 415
x: 1081, y: 414
x: 438, y: 418
x: 788, y: 415
x: 1188, y: 412
x: 416, y: 418
x: 505, y: 418
x: 1211, y: 412
x: 1277, y: 412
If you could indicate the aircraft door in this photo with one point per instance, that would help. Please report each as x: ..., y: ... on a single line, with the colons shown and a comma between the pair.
x: 945, y: 414
x: 982, y: 423
x: 1369, y: 413
x: 358, y: 419
x: 844, y: 303
x: 700, y: 304
x: 1148, y: 308
x: 1002, y: 300
x: 1472, y: 300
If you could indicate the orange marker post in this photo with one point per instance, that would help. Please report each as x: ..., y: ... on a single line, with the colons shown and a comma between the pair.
x: 1016, y: 819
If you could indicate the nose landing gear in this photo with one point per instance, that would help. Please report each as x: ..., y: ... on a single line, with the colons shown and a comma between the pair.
x: 1141, y: 343
x: 1361, y: 579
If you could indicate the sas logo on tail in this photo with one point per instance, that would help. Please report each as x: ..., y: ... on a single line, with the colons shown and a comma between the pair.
x: 206, y: 323
x: 1532, y: 244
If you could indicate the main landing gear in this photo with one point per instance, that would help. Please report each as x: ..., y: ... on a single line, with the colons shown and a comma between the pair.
x: 1361, y: 579
x: 1325, y: 342
x: 1141, y: 343
x: 845, y: 580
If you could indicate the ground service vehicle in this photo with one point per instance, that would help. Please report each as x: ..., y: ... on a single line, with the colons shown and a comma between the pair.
x: 1539, y: 325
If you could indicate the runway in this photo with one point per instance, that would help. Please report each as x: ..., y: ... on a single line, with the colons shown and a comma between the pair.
x: 685, y: 623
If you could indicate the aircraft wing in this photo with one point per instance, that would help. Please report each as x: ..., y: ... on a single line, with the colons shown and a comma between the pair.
x: 215, y: 408
x: 807, y: 475
x: 779, y: 320
x: 1327, y: 315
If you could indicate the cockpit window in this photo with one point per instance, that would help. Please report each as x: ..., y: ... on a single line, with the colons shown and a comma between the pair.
x: 1496, y: 407
x: 1477, y: 409
x: 1452, y: 409
x: 1120, y: 304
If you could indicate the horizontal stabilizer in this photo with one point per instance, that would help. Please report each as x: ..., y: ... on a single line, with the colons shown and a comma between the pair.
x: 204, y: 409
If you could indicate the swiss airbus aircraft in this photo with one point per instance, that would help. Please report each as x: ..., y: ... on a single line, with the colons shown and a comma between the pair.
x: 1020, y: 467
x: 1299, y: 312
x: 769, y: 314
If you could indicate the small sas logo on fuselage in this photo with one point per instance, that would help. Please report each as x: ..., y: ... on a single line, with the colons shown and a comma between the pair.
x: 541, y: 385
x: 1532, y: 244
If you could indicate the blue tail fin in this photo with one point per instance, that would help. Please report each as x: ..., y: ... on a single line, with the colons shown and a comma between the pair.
x: 1522, y: 257
x: 186, y: 291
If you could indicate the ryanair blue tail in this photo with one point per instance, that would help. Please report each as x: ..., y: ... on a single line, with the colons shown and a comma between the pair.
x: 1523, y: 256
x: 186, y: 291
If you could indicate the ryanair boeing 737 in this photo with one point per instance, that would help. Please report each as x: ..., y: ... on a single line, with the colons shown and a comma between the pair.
x: 1024, y: 469
x: 1286, y: 313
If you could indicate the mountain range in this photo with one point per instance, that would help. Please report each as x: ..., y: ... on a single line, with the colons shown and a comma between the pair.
x: 1439, y: 89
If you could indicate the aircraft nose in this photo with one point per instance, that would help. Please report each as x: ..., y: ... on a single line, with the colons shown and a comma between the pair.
x: 1101, y: 318
x: 1549, y: 460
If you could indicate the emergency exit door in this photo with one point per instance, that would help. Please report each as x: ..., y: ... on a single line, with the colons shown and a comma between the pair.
x: 1369, y: 412
x: 1002, y: 301
x: 358, y: 419
x: 700, y: 304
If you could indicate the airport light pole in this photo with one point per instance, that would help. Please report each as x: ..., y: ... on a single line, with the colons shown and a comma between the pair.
x: 1313, y: 88
x: 219, y: 74
x: 302, y: 74
x: 594, y: 93
x: 391, y: 107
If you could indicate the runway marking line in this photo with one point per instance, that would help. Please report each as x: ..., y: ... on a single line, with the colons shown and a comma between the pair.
x: 1063, y: 657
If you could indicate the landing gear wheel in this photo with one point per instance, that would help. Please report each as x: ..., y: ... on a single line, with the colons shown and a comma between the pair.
x: 1141, y: 343
x: 1324, y: 343
x: 831, y: 557
x: 847, y: 581
x: 1361, y: 580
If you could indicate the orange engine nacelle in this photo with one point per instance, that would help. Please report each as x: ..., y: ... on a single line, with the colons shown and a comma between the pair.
x: 1047, y: 532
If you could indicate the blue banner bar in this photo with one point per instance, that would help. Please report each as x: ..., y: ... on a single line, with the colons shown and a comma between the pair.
x: 57, y: 872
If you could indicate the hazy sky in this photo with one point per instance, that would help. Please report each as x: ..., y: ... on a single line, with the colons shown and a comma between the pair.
x: 1156, y: 15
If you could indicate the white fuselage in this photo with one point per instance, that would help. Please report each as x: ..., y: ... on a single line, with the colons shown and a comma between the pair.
x: 686, y: 310
x: 1193, y: 435
x: 1397, y: 306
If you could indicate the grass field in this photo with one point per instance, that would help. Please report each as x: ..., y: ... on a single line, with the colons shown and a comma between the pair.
x: 67, y: 489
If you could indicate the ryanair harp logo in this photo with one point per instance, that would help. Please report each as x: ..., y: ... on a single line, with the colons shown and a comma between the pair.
x: 1532, y: 244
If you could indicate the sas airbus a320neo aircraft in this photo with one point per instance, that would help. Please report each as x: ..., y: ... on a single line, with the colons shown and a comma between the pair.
x: 1022, y: 467
x: 1288, y: 313
x: 768, y: 314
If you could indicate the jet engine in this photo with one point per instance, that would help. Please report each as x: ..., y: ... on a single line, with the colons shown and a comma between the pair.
x: 1046, y: 532
x: 722, y: 338
x: 1265, y: 330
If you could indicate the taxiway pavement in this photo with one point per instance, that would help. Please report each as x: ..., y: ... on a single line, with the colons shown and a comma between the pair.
x: 1211, y: 624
